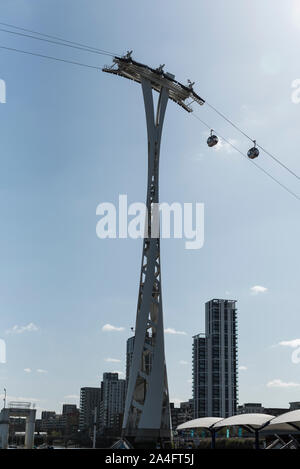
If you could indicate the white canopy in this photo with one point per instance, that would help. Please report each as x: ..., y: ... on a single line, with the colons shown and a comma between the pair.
x: 285, y: 422
x: 269, y: 423
x: 251, y: 420
x: 205, y: 422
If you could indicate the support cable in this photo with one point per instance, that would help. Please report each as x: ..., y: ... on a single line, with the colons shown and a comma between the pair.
x: 251, y: 139
x: 84, y: 46
x: 245, y: 156
x: 50, y: 57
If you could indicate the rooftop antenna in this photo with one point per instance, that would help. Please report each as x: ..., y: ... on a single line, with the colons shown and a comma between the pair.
x: 160, y: 69
x: 128, y: 54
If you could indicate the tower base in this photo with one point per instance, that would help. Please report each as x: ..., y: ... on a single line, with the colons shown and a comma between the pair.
x: 149, y: 438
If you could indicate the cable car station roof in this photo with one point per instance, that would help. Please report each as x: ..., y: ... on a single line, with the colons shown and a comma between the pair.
x: 252, y: 420
x: 288, y: 421
x: 204, y: 422
x: 128, y: 68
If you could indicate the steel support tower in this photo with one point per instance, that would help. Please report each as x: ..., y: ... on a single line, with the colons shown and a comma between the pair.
x: 147, y: 412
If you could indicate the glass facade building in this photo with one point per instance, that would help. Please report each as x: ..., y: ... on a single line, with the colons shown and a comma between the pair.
x: 215, y: 373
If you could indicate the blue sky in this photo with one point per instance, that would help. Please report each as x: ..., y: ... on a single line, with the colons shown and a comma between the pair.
x: 72, y: 138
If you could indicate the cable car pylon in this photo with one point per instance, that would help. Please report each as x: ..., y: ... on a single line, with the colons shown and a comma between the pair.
x: 147, y: 411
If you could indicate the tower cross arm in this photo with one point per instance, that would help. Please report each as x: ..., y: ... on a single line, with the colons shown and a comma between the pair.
x: 179, y: 93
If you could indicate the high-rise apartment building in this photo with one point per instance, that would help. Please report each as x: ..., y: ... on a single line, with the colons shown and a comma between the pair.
x: 215, y: 361
x: 112, y: 402
x: 199, y: 361
x: 90, y: 399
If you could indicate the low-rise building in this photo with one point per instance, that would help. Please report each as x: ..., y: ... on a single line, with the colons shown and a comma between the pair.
x: 257, y: 408
x: 181, y: 414
x: 295, y: 405
x: 65, y: 424
x: 250, y: 408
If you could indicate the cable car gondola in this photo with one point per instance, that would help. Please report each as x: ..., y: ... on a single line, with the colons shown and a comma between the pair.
x: 212, y: 139
x: 253, y: 152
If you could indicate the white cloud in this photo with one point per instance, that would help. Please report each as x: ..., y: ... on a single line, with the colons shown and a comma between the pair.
x: 183, y: 362
x: 121, y: 373
x: 71, y: 396
x: 258, y: 289
x: 9, y: 399
x: 110, y: 327
x: 290, y: 343
x: 172, y: 331
x: 243, y: 368
x: 112, y: 360
x: 226, y: 146
x: 278, y: 383
x: 31, y: 327
x: 39, y: 370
